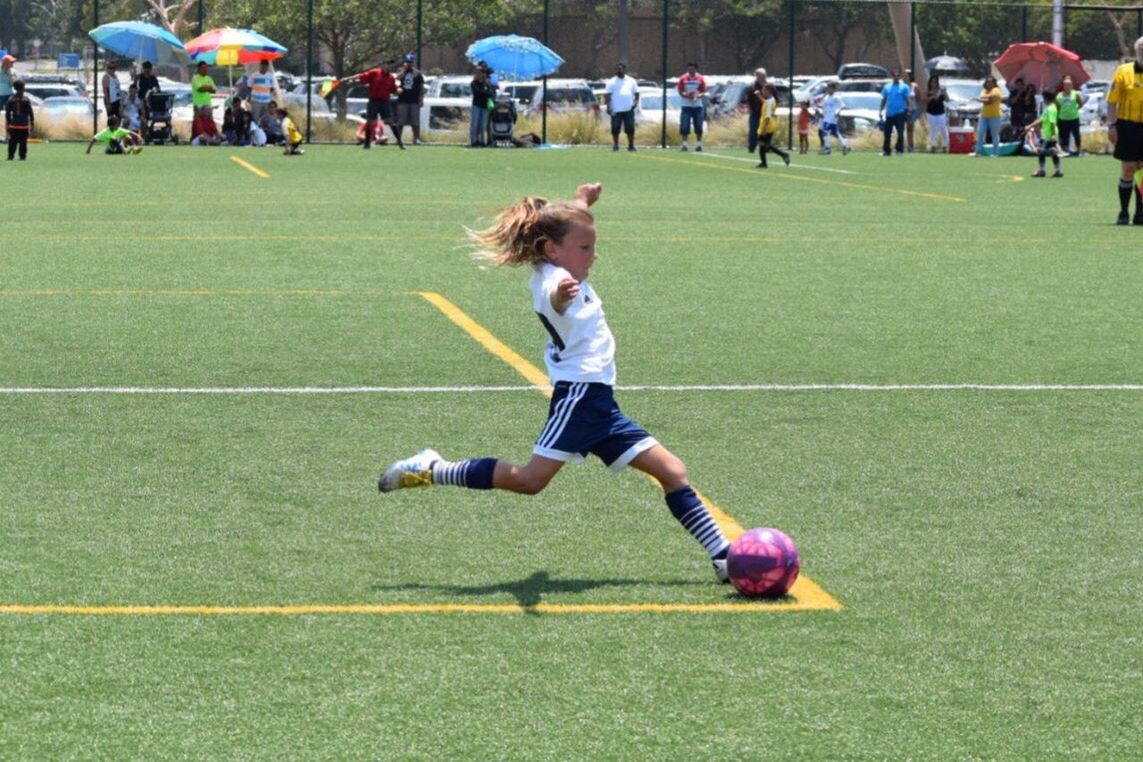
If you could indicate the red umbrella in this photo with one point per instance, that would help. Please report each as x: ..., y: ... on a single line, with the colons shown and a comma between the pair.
x: 1040, y: 63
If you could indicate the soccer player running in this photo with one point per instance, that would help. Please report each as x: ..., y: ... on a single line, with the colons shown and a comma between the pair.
x: 831, y: 106
x: 1125, y: 131
x: 557, y: 242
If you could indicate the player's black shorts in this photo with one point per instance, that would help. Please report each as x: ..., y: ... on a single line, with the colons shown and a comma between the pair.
x: 378, y: 107
x: 1129, y: 140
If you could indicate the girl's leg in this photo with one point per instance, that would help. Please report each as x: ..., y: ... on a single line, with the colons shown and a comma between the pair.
x: 428, y: 468
x: 684, y: 503
x: 525, y: 480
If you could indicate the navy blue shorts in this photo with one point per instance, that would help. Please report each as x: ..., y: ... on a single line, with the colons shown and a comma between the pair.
x: 584, y: 418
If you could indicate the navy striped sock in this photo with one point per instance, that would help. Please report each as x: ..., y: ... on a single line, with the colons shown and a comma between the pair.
x: 474, y: 474
x: 696, y: 519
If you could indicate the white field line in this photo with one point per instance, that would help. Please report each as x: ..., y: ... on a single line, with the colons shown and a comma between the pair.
x: 300, y: 390
x: 793, y: 164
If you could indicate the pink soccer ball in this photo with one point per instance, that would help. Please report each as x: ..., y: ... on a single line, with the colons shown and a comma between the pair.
x: 763, y: 563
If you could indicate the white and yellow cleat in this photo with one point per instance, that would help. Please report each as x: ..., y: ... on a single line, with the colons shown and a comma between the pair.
x: 416, y: 471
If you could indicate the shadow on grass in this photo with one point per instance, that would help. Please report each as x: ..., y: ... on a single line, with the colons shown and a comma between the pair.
x: 529, y: 591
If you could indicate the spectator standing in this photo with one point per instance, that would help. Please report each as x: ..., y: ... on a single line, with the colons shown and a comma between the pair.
x: 894, y: 111
x: 937, y: 115
x: 1050, y: 135
x: 494, y: 83
x: 990, y: 99
x: 147, y: 82
x: 913, y: 111
x: 19, y: 121
x: 692, y: 87
x: 262, y: 87
x: 410, y: 98
x: 754, y: 101
x: 6, y: 86
x: 831, y: 106
x: 202, y: 88
x: 382, y: 86
x: 1125, y: 131
x: 482, y: 92
x: 112, y: 92
x: 1069, y: 101
x: 1021, y: 111
x: 622, y: 94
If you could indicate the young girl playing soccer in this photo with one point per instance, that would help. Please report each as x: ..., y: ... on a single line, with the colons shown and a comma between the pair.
x: 557, y: 240
x: 768, y: 127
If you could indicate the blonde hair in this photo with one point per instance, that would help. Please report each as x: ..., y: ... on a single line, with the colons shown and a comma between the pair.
x: 518, y: 234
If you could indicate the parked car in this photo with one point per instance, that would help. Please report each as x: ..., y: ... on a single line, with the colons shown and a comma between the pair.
x: 1094, y: 110
x: 1094, y: 86
x: 46, y: 90
x: 521, y: 92
x: 61, y: 107
x: 734, y: 95
x: 447, y: 101
x: 650, y: 108
x: 319, y: 109
x: 563, y: 95
x: 862, y: 71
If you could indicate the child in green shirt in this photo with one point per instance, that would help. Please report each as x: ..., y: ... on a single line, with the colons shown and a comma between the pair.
x: 118, y: 139
x: 1049, y: 124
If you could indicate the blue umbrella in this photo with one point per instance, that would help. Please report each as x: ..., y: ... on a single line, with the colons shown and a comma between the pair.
x: 141, y: 41
x: 514, y: 57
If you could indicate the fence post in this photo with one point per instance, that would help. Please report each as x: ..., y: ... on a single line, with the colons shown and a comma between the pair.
x: 790, y: 98
x: 666, y: 38
x: 309, y: 68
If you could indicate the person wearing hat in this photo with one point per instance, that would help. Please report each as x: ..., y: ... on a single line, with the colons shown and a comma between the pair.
x: 6, y: 79
x: 382, y: 85
x: 112, y: 92
x: 410, y: 98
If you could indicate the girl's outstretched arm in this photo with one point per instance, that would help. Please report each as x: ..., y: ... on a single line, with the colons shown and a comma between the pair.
x: 588, y: 193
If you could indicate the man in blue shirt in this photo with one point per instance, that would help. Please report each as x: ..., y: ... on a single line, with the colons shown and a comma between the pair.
x: 894, y: 108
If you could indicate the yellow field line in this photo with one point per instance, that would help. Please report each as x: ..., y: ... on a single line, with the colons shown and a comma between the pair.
x: 805, y: 591
x: 534, y: 375
x: 247, y: 165
x: 801, y: 602
x: 804, y: 179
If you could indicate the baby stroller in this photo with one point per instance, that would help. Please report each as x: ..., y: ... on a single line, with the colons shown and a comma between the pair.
x: 158, y: 128
x: 502, y: 119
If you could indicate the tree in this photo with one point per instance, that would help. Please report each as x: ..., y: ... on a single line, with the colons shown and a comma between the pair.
x: 176, y: 17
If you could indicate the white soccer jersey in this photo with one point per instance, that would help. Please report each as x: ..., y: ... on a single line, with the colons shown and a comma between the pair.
x: 582, y: 348
x: 831, y: 108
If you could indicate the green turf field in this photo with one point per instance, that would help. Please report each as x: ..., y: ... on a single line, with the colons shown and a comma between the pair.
x: 195, y: 561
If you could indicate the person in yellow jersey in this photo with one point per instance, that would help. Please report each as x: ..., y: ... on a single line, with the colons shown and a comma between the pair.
x: 293, y: 135
x: 1125, y: 131
x: 989, y: 124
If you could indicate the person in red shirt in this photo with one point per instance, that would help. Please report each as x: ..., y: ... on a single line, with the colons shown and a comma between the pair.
x: 382, y: 86
x: 693, y: 88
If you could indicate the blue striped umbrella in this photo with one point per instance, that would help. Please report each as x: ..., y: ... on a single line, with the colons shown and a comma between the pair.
x: 141, y: 41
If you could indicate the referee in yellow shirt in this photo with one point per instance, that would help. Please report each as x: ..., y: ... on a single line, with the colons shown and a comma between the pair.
x: 1125, y: 130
